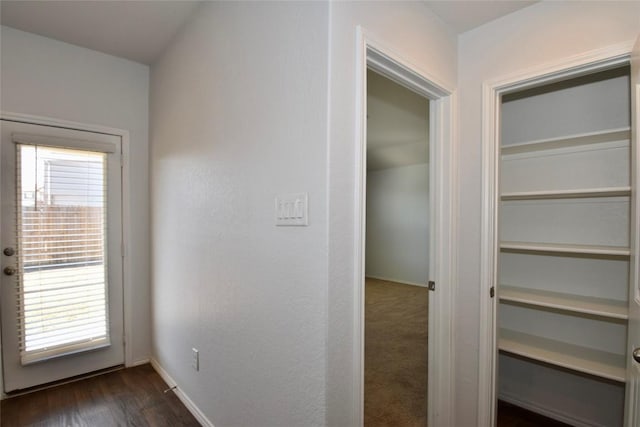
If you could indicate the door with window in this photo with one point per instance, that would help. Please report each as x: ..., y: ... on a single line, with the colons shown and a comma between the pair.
x: 61, y: 237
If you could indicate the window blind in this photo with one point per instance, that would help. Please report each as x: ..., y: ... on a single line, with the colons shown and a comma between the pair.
x: 61, y: 233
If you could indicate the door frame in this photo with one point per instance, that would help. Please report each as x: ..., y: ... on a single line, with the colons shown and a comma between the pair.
x: 575, y: 66
x: 374, y: 54
x: 128, y: 309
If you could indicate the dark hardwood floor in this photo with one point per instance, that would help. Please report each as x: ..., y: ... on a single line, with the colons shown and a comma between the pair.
x: 135, y: 397
x: 127, y: 397
x: 513, y: 416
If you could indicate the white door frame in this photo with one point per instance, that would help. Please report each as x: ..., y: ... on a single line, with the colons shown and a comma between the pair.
x: 126, y: 223
x: 442, y: 207
x: 586, y: 63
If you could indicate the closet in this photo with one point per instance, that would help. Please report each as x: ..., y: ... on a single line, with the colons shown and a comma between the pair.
x: 564, y: 258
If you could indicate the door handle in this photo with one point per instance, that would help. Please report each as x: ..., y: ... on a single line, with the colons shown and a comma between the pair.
x: 8, y: 251
x: 10, y: 271
x: 636, y: 354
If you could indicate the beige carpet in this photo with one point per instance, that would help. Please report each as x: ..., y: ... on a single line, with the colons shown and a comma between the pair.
x: 395, y: 354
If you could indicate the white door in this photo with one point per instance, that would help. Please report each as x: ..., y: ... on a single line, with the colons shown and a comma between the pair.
x: 61, y: 243
x: 632, y: 413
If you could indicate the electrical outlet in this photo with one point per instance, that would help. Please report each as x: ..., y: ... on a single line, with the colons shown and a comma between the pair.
x: 195, y: 359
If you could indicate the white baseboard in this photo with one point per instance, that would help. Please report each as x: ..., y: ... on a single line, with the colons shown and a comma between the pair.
x: 138, y: 363
x: 403, y: 282
x: 548, y: 412
x: 195, y: 411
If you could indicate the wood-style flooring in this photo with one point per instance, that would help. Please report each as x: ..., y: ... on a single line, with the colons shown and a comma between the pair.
x: 395, y: 391
x: 127, y: 397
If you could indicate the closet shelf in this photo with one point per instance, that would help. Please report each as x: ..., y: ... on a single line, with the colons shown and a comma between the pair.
x: 582, y: 359
x: 609, y: 135
x: 567, y: 194
x: 574, y: 303
x: 565, y: 248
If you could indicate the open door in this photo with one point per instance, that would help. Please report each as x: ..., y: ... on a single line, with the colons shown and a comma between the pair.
x: 632, y: 410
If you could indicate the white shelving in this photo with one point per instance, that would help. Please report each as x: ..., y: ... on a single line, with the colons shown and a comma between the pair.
x: 568, y: 194
x: 590, y: 138
x: 574, y: 303
x: 565, y: 248
x: 582, y: 359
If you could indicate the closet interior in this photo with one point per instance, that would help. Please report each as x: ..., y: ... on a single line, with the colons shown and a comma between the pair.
x: 564, y: 251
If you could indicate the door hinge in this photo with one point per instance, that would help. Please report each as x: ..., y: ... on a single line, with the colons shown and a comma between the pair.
x: 431, y: 285
x: 492, y: 292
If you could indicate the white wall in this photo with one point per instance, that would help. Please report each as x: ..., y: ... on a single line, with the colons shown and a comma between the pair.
x: 599, y: 103
x: 44, y: 77
x: 542, y: 33
x: 413, y: 32
x: 397, y: 242
x: 239, y: 115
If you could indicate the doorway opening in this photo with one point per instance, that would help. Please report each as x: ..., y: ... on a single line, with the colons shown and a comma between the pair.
x: 578, y: 346
x: 374, y: 55
x: 396, y: 254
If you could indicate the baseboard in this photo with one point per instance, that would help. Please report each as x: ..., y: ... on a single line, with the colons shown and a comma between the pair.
x: 139, y: 362
x: 548, y: 412
x: 195, y: 411
x: 402, y: 282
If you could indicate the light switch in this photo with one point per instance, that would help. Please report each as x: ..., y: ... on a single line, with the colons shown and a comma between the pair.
x: 292, y: 209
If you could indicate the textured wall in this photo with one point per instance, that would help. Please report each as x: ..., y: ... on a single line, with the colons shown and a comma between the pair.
x: 238, y: 113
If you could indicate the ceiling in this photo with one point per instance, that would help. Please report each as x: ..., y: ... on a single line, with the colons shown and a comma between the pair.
x: 140, y: 30
x: 136, y: 30
x: 465, y: 15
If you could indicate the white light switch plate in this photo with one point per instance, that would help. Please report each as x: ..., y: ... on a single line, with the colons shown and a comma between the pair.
x: 292, y: 209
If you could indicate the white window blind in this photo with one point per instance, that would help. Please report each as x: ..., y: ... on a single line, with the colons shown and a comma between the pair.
x: 61, y: 230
